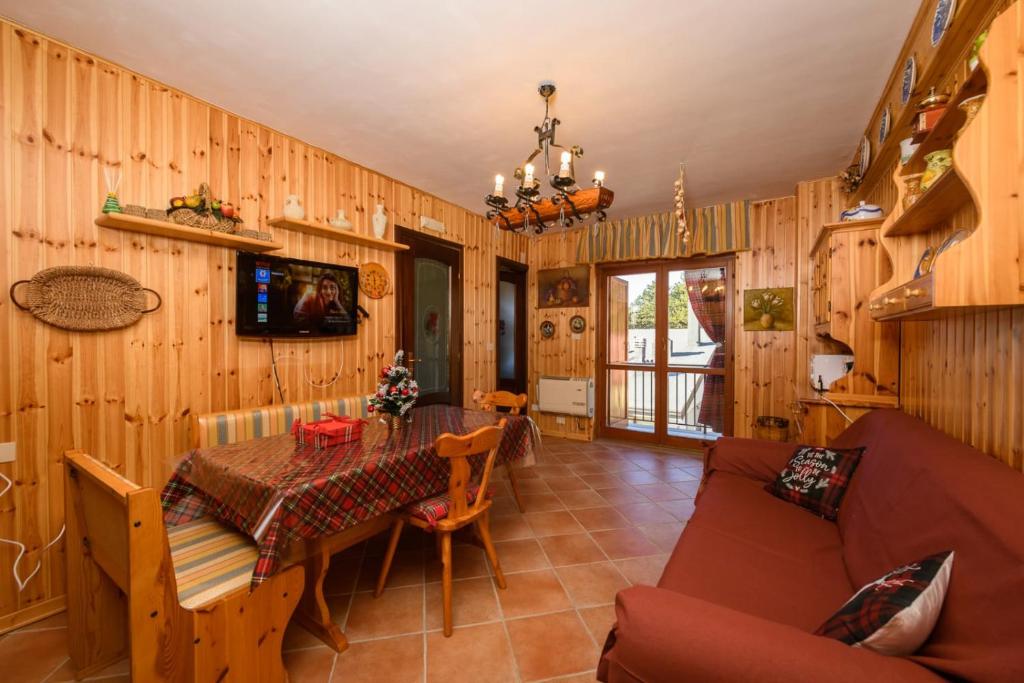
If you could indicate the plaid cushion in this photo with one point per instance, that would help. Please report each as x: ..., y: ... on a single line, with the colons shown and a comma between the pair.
x: 434, y: 509
x: 816, y: 478
x: 895, y: 614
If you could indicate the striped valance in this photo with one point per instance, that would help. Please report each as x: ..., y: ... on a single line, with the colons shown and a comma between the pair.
x: 713, y: 230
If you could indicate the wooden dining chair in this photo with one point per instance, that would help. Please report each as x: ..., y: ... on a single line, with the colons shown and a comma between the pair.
x: 465, y: 503
x: 515, y: 404
x: 175, y: 601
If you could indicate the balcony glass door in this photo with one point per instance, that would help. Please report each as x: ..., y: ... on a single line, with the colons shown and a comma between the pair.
x: 664, y: 370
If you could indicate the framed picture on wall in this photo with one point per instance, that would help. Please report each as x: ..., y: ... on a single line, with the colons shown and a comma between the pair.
x: 562, y: 287
x: 768, y: 310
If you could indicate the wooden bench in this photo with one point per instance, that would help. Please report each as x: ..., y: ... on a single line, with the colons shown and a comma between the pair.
x: 218, y: 429
x: 176, y: 601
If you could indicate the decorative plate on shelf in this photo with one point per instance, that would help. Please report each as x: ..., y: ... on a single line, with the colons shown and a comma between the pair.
x: 886, y: 125
x: 944, y: 11
x: 374, y: 280
x: 956, y: 238
x: 865, y: 156
x: 924, y: 265
x: 547, y: 329
x: 909, y: 79
x: 577, y: 324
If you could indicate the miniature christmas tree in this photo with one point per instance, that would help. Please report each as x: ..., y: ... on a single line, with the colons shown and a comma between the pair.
x: 111, y: 205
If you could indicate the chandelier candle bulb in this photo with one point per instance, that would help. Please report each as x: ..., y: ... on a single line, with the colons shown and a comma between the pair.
x: 528, y: 178
x: 599, y: 178
x: 499, y: 185
x: 563, y: 170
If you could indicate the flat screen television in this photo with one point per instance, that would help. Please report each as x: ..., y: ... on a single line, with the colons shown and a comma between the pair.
x: 283, y: 297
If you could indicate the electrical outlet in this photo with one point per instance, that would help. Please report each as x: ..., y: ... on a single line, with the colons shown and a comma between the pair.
x: 560, y: 420
x: 8, y: 452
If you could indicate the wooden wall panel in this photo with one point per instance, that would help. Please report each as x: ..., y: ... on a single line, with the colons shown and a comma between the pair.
x: 565, y: 354
x: 764, y: 362
x: 126, y: 395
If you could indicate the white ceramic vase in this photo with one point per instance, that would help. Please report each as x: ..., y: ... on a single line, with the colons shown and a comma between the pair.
x: 340, y: 221
x: 293, y: 208
x: 380, y: 222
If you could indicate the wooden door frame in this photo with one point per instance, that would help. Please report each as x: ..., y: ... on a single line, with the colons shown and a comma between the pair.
x: 522, y: 286
x: 728, y: 262
x: 419, y: 243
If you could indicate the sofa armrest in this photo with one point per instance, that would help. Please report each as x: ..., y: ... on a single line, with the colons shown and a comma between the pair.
x: 661, y: 635
x: 753, y: 458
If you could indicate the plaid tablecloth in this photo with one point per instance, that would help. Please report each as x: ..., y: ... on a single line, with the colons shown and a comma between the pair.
x: 278, y: 492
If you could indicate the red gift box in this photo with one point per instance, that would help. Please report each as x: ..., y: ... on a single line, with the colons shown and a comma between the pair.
x: 333, y: 430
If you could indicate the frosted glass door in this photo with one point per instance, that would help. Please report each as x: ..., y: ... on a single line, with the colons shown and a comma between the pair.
x: 432, y: 318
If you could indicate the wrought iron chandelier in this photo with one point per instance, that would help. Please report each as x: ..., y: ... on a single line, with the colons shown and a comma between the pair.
x: 568, y: 204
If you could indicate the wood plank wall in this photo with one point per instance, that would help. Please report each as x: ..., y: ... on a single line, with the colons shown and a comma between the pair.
x: 565, y: 354
x: 125, y: 396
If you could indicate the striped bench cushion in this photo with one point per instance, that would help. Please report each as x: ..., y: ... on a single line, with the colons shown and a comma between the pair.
x: 210, y: 560
x: 217, y: 429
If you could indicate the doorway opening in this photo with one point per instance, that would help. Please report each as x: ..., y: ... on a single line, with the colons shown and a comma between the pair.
x: 511, y: 332
x: 665, y: 351
x: 429, y: 314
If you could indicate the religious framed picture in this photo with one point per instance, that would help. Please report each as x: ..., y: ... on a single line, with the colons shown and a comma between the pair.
x: 768, y: 310
x: 563, y: 287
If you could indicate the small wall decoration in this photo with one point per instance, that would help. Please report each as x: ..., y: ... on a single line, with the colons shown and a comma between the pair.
x: 374, y: 280
x: 578, y: 324
x: 865, y: 156
x: 944, y: 11
x: 562, y: 287
x: 909, y: 79
x: 886, y: 125
x: 547, y: 329
x: 768, y: 310
x: 84, y: 298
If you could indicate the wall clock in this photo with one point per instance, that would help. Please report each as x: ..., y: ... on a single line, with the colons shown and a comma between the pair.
x: 547, y: 329
x: 577, y: 324
x: 374, y: 280
x: 909, y: 79
x: 944, y: 11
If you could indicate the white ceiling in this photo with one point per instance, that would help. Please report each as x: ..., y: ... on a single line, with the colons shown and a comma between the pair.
x: 754, y: 95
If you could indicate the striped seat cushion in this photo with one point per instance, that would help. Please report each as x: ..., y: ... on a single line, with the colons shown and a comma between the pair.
x: 210, y: 560
x: 217, y: 429
x: 432, y: 510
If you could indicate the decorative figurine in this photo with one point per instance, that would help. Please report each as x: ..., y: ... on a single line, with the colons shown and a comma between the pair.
x: 340, y: 221
x: 380, y: 222
x: 113, y: 178
x: 293, y: 208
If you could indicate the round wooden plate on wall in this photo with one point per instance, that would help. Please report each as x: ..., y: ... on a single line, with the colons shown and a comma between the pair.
x: 374, y: 280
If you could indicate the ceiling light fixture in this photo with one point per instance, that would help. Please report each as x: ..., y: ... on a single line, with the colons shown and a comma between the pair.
x: 568, y: 204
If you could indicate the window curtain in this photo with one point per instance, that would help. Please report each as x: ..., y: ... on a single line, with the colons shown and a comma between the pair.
x: 720, y: 229
x: 706, y: 289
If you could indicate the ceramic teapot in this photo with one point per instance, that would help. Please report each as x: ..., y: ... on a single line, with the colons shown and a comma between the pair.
x: 293, y: 207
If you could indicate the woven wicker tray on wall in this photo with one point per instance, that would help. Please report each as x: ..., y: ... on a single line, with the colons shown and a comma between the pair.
x: 84, y: 298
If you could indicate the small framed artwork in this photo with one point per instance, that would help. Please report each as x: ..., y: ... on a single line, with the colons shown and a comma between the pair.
x: 577, y: 324
x: 547, y: 329
x: 768, y: 310
x: 563, y: 287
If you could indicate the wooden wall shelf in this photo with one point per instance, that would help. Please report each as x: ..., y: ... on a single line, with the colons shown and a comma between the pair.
x: 946, y: 130
x: 934, y: 207
x: 148, y: 226
x: 986, y: 269
x: 320, y: 230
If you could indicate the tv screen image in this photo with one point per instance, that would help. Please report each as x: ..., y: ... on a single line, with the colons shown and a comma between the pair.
x: 282, y: 297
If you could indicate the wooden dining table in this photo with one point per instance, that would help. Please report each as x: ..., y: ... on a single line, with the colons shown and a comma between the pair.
x: 302, y: 505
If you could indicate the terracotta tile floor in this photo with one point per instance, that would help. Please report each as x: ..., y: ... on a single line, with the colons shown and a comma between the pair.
x: 601, y: 516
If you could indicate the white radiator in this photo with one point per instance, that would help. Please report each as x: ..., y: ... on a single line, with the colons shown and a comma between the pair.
x: 566, y: 395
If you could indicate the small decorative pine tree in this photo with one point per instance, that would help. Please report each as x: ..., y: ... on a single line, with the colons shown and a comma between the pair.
x: 397, y: 391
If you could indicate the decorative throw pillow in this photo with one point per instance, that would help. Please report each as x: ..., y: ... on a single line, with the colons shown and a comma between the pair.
x: 816, y: 478
x: 895, y: 614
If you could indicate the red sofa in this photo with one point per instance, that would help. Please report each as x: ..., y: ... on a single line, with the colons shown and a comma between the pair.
x: 753, y: 576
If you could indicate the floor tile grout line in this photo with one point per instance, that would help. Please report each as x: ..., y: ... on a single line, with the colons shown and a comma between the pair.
x: 504, y: 626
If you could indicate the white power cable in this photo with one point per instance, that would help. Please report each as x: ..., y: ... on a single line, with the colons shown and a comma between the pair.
x: 21, y: 546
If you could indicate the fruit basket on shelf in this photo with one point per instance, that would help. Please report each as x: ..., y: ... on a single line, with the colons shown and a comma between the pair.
x: 201, y: 210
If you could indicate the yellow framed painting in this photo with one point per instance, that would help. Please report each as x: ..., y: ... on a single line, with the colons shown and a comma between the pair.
x: 768, y: 310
